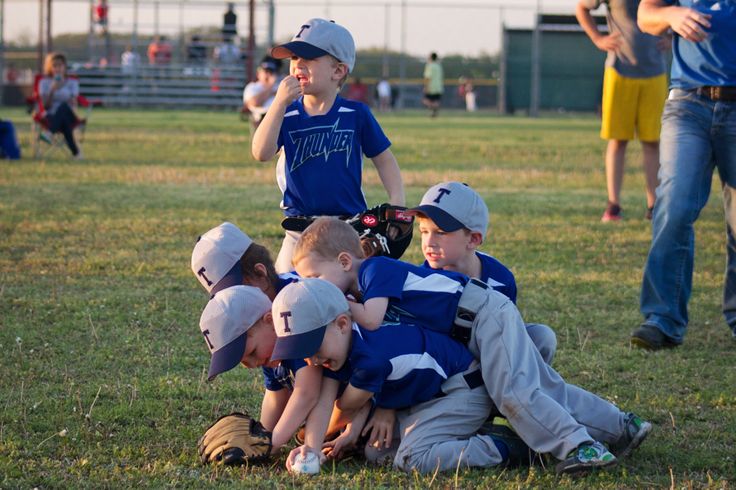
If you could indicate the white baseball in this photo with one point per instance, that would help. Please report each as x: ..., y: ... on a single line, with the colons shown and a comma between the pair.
x: 307, y: 465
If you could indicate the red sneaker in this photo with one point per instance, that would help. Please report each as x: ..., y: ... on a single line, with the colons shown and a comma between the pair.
x: 612, y: 213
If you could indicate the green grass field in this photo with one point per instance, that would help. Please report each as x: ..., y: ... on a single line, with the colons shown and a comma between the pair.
x: 103, y: 366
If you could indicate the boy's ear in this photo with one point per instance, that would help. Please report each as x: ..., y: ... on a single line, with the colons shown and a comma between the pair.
x: 476, y: 238
x: 341, y: 71
x: 268, y: 318
x: 345, y: 260
x: 260, y: 269
x: 344, y: 322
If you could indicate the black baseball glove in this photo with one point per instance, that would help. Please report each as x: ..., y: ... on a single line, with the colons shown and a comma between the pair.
x: 235, y: 439
x: 384, y: 230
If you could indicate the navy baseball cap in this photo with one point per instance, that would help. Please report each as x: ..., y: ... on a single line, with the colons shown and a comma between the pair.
x: 319, y: 37
x: 225, y: 322
x: 301, y: 312
x: 453, y: 206
x: 216, y: 257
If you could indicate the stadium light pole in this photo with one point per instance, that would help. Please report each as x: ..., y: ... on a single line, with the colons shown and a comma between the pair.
x: 402, y: 59
x: 271, y: 23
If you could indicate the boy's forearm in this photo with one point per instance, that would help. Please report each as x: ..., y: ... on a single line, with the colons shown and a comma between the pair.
x: 319, y: 418
x: 390, y: 175
x: 307, y: 389
x: 652, y: 17
x: 272, y: 407
x: 265, y: 138
x: 369, y: 314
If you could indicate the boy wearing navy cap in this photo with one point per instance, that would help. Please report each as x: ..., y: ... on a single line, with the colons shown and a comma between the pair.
x: 431, y: 380
x: 323, y: 136
x: 549, y: 414
x: 453, y: 222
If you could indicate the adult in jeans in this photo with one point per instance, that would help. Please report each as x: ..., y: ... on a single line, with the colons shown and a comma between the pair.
x: 698, y: 134
x: 59, y: 97
x: 634, y: 91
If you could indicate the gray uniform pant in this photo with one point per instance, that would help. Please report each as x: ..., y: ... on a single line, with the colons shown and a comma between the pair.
x: 442, y: 432
x: 550, y: 415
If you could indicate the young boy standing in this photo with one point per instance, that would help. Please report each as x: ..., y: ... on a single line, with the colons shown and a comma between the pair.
x: 430, y: 379
x: 549, y: 414
x: 324, y: 136
x: 453, y: 222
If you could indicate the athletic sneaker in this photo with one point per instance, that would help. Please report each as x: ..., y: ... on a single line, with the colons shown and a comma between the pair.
x: 612, y: 213
x: 635, y: 431
x: 587, y: 456
x: 651, y: 338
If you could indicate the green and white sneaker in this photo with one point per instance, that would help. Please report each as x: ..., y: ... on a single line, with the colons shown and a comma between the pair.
x: 588, y: 456
x: 635, y: 431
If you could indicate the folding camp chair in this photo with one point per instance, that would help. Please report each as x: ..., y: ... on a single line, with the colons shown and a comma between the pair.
x: 41, y: 144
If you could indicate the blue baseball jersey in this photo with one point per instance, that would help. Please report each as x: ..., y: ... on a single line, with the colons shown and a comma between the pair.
x: 711, y: 61
x: 324, y: 157
x: 286, y: 278
x: 495, y: 274
x: 282, y: 376
x: 403, y: 365
x: 416, y: 295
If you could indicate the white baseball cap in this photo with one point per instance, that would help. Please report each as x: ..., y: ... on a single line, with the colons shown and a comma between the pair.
x: 301, y: 312
x: 225, y: 321
x: 454, y: 205
x: 319, y: 37
x: 216, y: 257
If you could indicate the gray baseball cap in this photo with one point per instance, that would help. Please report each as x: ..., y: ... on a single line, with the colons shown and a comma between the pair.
x: 301, y: 312
x: 319, y: 37
x: 216, y: 257
x: 225, y: 321
x: 454, y: 205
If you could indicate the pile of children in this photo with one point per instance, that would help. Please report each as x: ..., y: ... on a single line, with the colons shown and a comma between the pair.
x: 427, y: 366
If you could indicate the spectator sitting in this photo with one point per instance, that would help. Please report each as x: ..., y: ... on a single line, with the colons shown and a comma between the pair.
x: 227, y: 53
x: 196, y: 51
x: 59, y: 97
x: 159, y: 51
x: 258, y: 95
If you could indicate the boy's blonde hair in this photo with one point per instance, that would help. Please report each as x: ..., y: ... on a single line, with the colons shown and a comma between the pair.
x: 328, y: 237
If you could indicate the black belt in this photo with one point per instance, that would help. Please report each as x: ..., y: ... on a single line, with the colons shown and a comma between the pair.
x: 722, y: 93
x: 300, y: 223
x: 460, y: 332
x: 473, y: 380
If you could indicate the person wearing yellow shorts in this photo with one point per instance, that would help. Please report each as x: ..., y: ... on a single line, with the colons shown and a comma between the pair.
x: 634, y: 92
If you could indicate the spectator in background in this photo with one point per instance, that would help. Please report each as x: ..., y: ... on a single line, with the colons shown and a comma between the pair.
x: 466, y: 92
x: 383, y: 90
x: 159, y: 51
x: 59, y: 97
x: 433, y: 85
x: 196, y: 51
x: 358, y: 91
x: 258, y: 95
x: 698, y: 136
x: 100, y: 15
x: 634, y: 90
x: 129, y: 61
x: 230, y: 22
x: 227, y: 53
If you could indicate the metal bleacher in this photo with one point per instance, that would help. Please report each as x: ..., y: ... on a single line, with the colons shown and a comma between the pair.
x: 163, y: 86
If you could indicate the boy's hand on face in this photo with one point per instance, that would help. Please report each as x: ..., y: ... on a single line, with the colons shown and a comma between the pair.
x: 289, y: 90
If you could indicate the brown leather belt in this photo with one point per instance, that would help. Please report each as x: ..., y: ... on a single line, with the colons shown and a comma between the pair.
x: 727, y: 94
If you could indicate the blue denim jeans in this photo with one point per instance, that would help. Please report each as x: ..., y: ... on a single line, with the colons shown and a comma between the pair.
x: 698, y: 136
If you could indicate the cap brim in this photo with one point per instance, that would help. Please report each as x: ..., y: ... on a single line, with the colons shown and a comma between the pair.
x: 234, y: 277
x: 441, y: 218
x: 298, y: 346
x: 298, y: 48
x: 227, y: 358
